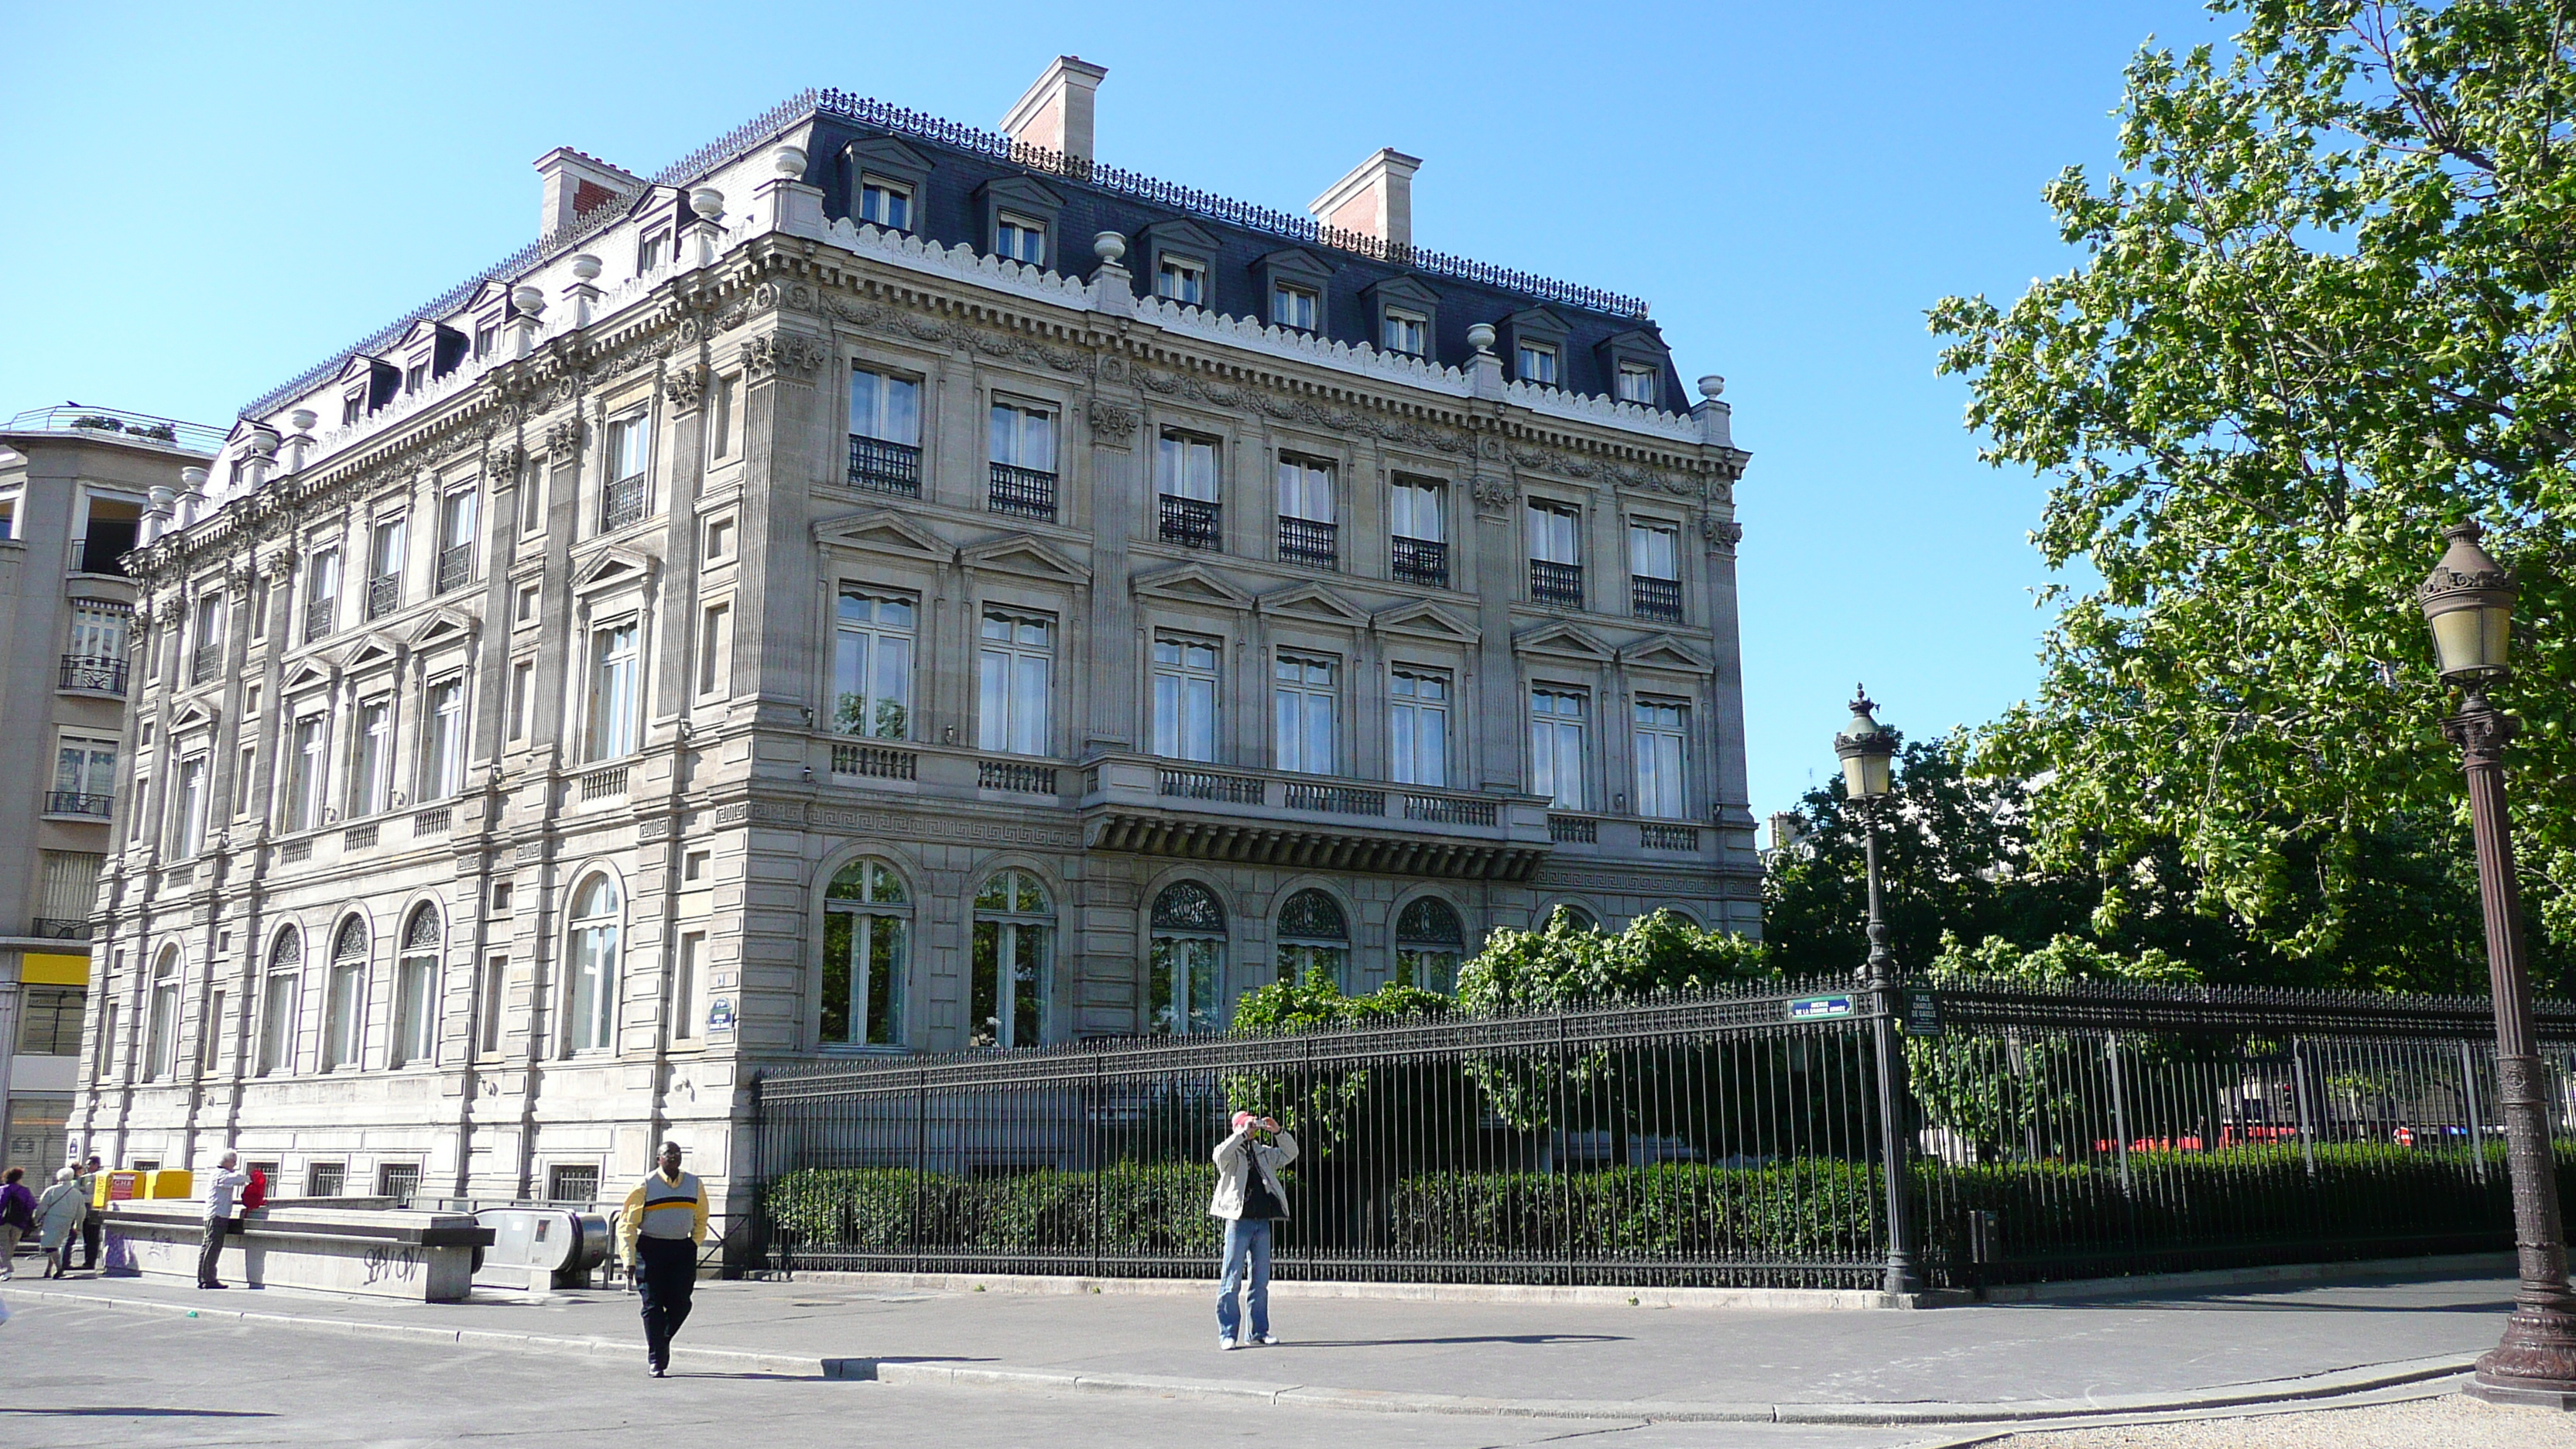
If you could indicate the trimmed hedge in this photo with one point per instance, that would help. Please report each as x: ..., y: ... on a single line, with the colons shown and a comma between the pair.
x: 1151, y: 1210
x: 1819, y: 1210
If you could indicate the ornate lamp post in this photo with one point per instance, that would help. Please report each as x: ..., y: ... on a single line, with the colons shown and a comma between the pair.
x: 2469, y: 604
x: 1866, y: 748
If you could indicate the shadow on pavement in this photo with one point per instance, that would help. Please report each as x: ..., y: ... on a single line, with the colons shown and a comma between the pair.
x: 128, y: 1413
x: 1534, y: 1340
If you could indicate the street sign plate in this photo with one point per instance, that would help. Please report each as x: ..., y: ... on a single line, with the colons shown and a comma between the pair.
x: 1922, y: 1014
x: 1819, y: 1008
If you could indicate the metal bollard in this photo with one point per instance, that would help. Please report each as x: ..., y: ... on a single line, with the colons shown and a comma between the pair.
x: 1984, y: 1244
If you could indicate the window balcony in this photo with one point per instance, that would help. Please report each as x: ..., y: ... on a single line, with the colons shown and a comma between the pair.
x: 455, y: 567
x: 1421, y: 561
x: 58, y: 930
x: 317, y: 620
x: 1022, y: 493
x: 99, y: 676
x: 384, y: 595
x: 1014, y: 776
x: 885, y: 467
x: 74, y: 802
x: 103, y: 555
x: 1657, y: 599
x: 1192, y: 523
x: 621, y: 504
x: 1556, y: 585
x: 1152, y: 806
x: 205, y: 664
x: 1309, y: 544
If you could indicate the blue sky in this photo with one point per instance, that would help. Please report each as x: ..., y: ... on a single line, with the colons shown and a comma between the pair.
x: 207, y: 199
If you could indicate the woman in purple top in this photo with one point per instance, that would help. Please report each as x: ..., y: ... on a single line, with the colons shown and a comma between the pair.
x: 17, y: 1217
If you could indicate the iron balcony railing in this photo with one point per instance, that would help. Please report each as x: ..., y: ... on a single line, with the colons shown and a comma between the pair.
x: 53, y: 929
x: 1658, y: 599
x: 117, y: 422
x: 384, y: 595
x: 103, y: 676
x: 1191, y: 523
x: 317, y: 620
x: 455, y: 567
x: 1022, y: 492
x: 102, y: 556
x: 1421, y: 561
x: 204, y: 664
x: 885, y: 467
x: 622, y: 504
x: 1556, y: 585
x: 1309, y: 543
x: 78, y: 802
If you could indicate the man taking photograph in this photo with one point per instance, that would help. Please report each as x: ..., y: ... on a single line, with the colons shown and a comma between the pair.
x: 1248, y: 1199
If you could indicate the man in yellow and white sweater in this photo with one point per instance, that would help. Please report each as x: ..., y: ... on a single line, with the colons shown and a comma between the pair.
x: 664, y: 1221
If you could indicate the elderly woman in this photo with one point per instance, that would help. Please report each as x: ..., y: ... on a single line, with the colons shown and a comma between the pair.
x: 58, y: 1218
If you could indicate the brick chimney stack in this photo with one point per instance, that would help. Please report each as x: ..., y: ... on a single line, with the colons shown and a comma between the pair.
x: 572, y: 183
x: 1056, y: 112
x: 1376, y: 199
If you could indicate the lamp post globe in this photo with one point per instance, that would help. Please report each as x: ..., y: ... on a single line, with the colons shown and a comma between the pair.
x: 1866, y: 748
x: 2468, y: 604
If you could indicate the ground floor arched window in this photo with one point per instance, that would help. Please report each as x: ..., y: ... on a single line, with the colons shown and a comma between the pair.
x: 1428, y: 944
x: 1185, y: 986
x: 1314, y: 939
x: 1014, y: 933
x: 595, y: 959
x: 867, y: 931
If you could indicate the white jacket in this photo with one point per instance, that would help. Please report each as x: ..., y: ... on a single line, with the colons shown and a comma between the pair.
x: 1234, y: 1159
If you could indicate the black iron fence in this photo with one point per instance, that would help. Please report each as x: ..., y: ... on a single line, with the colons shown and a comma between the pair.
x: 1733, y: 1139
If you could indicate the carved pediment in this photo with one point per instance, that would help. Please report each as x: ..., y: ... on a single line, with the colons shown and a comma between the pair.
x: 1565, y: 642
x: 881, y: 531
x: 612, y: 568
x: 361, y: 366
x: 1423, y: 620
x: 194, y: 715
x: 1314, y: 601
x: 1665, y: 651
x: 1026, y: 556
x: 313, y: 671
x: 375, y: 651
x: 1193, y: 584
x: 443, y: 626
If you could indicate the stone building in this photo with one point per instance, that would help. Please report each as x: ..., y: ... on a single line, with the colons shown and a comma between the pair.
x: 74, y: 483
x: 879, y: 586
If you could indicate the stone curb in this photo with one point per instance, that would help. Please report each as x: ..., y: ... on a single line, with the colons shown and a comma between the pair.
x: 1293, y: 1395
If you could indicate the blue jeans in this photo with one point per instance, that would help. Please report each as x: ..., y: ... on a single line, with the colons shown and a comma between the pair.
x: 1247, y: 1245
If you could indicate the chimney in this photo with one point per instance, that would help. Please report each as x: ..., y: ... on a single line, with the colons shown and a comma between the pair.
x: 574, y: 183
x: 1376, y: 199
x: 1056, y: 112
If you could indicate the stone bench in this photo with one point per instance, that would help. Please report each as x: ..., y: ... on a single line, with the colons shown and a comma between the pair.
x: 427, y: 1257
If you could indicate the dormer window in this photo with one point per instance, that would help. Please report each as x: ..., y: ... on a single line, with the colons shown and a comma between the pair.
x: 1182, y: 280
x: 1020, y: 239
x: 353, y: 406
x: 1294, y: 306
x: 416, y: 377
x: 487, y: 337
x: 1639, y: 383
x: 1536, y: 362
x: 653, y: 250
x: 885, y: 203
x: 1407, y: 332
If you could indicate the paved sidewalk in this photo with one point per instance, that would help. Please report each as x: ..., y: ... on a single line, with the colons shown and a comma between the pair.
x: 1952, y: 1365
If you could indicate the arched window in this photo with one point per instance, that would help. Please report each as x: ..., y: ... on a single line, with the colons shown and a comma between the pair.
x: 1014, y: 923
x: 1185, y: 990
x: 1428, y: 943
x: 867, y: 927
x: 594, y: 964
x: 1575, y: 918
x: 1314, y: 939
x: 277, y: 1002
x: 161, y: 1040
x: 344, y: 1008
x: 416, y: 989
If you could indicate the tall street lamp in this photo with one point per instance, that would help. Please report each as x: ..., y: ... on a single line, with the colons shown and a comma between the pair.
x: 1866, y: 748
x: 2469, y: 604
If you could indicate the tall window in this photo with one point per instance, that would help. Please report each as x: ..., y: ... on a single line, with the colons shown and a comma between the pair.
x: 885, y: 203
x: 1641, y: 384
x: 1408, y: 332
x: 84, y: 777
x: 371, y: 777
x: 456, y: 511
x: 1018, y: 660
x: 1014, y: 922
x: 491, y: 995
x: 442, y: 765
x: 622, y: 500
x: 614, y: 665
x: 161, y: 1028
x: 1417, y: 726
x: 67, y: 892
x: 1186, y: 989
x: 188, y: 809
x: 1428, y: 944
x: 687, y: 970
x: 1655, y: 590
x: 303, y: 802
x: 321, y: 593
x: 867, y: 926
x: 345, y: 1006
x: 1184, y: 697
x: 872, y: 664
x: 1020, y: 239
x: 885, y: 431
x: 1662, y: 725
x: 1416, y: 519
x: 1182, y: 280
x: 1556, y: 747
x: 1023, y: 450
x: 594, y: 965
x: 416, y: 990
x: 206, y: 654
x: 385, y: 549
x: 1294, y: 306
x: 98, y: 637
x: 1305, y: 701
x: 1556, y: 560
x: 277, y: 1003
x: 1314, y: 940
x: 1185, y: 475
x: 1307, y: 532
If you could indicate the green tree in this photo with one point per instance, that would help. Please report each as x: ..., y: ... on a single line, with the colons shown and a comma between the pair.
x: 2324, y: 309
